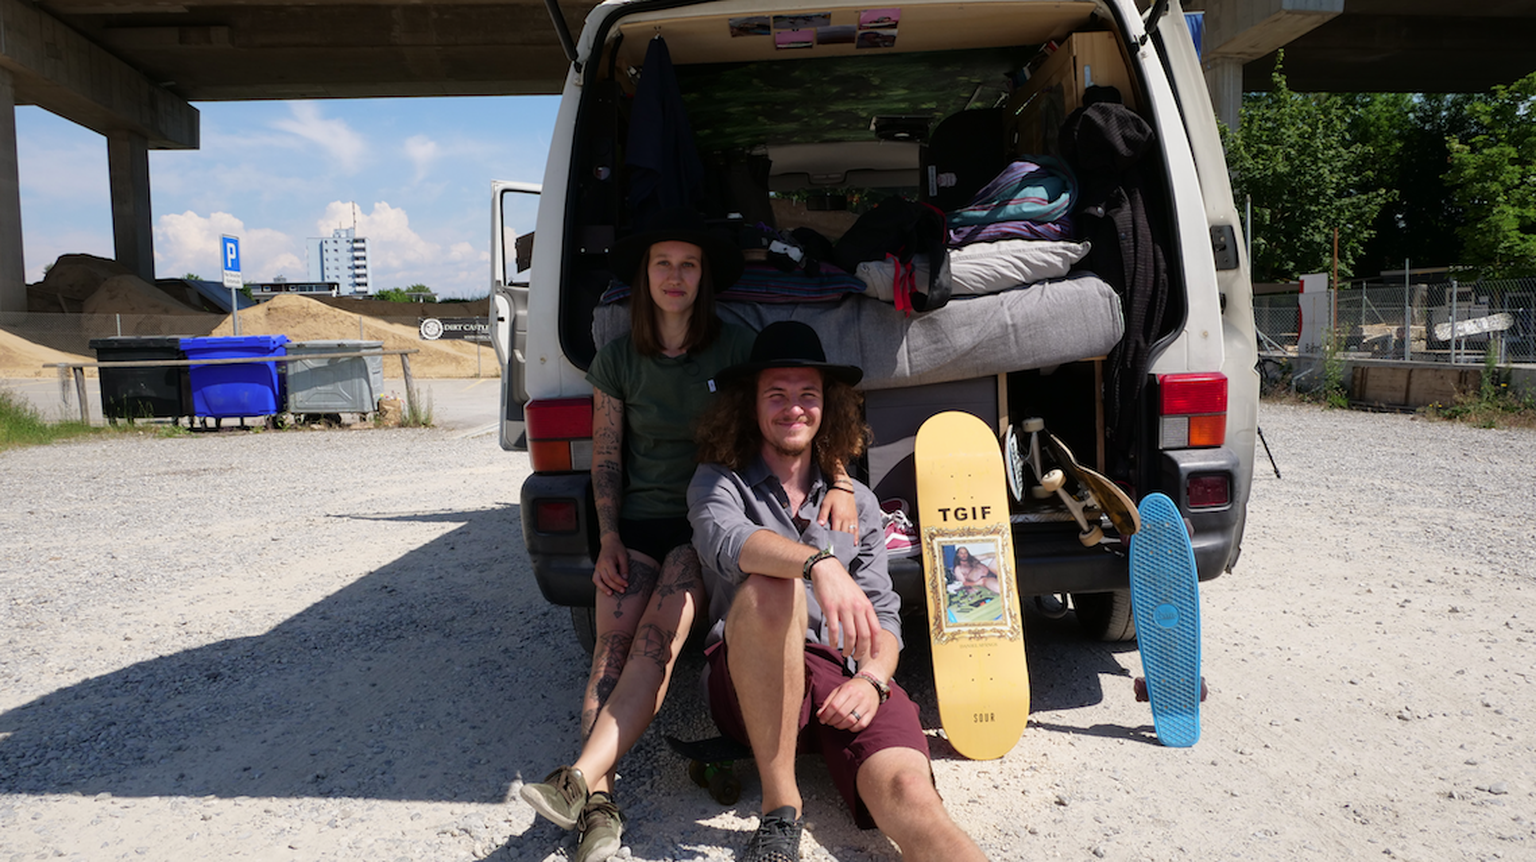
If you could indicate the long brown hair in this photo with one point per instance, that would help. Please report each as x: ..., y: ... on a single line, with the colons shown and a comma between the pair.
x: 703, y: 325
x: 727, y: 431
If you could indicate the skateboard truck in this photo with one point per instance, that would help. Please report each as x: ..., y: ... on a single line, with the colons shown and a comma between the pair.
x: 1096, y: 495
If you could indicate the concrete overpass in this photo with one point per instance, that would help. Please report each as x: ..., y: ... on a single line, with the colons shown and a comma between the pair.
x: 130, y: 69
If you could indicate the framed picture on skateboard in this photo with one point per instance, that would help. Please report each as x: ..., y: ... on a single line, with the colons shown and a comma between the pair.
x: 974, y: 592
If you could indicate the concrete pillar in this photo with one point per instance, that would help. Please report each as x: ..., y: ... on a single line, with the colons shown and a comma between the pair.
x: 132, y: 226
x: 1224, y: 78
x: 13, y: 270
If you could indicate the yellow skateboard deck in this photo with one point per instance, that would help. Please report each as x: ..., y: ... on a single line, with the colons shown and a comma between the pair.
x: 979, y: 669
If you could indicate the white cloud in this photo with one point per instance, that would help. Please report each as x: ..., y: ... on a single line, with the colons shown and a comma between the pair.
x: 344, y: 145
x: 422, y: 151
x: 188, y: 242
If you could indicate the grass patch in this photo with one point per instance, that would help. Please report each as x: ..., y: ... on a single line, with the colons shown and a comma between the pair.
x: 1494, y: 405
x: 21, y: 424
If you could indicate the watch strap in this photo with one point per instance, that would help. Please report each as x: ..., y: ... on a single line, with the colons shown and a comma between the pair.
x: 812, y: 560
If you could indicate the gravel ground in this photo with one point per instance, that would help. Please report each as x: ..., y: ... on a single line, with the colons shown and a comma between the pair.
x: 316, y: 646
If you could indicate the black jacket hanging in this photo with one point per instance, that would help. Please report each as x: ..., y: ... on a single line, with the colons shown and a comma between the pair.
x: 665, y: 171
x: 1106, y: 142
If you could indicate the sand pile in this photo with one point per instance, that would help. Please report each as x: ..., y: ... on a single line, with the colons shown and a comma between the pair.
x: 70, y: 281
x: 21, y: 358
x: 303, y: 319
x: 129, y: 294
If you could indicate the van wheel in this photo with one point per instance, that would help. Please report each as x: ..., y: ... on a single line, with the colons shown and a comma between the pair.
x: 584, y: 624
x: 1105, y: 616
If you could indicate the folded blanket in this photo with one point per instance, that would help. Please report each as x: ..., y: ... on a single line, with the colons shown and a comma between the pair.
x: 986, y: 267
x: 973, y: 233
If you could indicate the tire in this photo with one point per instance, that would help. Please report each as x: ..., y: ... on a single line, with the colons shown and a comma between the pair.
x: 584, y: 624
x: 1105, y: 616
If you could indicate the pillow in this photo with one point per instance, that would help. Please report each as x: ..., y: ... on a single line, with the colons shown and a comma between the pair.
x: 764, y: 283
x: 986, y: 267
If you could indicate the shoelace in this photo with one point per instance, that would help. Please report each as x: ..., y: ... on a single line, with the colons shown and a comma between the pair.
x: 600, y: 808
x: 564, y: 781
x: 777, y: 839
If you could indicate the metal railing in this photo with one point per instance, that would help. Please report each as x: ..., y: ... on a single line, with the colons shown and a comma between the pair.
x: 1452, y: 322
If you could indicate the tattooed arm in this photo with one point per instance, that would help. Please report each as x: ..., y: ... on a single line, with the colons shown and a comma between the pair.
x: 611, y: 574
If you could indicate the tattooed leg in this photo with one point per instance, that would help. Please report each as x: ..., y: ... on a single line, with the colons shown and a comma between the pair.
x: 617, y: 618
x: 642, y: 682
x: 608, y: 658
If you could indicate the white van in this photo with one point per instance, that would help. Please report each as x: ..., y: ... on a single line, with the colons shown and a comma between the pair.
x: 805, y: 114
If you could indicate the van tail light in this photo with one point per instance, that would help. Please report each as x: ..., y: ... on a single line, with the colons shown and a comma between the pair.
x: 554, y: 516
x: 1208, y: 490
x: 1192, y: 410
x: 559, y: 434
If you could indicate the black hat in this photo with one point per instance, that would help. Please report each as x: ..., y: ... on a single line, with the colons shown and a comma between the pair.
x: 683, y: 225
x: 790, y: 344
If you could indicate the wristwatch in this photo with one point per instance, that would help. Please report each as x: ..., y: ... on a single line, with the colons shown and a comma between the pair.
x: 883, y: 687
x: 813, y: 559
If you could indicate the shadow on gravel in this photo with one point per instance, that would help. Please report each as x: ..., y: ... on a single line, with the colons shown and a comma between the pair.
x: 428, y: 679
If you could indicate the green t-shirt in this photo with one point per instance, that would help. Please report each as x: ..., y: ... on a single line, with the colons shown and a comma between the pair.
x: 662, y: 396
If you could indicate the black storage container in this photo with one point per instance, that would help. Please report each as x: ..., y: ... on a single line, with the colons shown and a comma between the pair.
x: 142, y: 393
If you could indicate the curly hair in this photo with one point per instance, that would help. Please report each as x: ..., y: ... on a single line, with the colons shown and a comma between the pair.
x: 727, y: 431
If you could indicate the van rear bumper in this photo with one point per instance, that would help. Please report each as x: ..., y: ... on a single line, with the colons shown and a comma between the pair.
x: 562, y: 561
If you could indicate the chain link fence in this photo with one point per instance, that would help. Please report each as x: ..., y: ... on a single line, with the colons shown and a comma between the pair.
x: 1449, y: 322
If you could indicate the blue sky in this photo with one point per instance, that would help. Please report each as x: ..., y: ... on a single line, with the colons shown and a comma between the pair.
x: 276, y: 173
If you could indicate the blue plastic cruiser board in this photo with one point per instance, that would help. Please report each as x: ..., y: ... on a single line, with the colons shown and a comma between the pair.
x: 1165, y: 600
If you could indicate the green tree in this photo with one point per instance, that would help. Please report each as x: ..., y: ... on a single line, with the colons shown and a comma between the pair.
x: 191, y: 276
x: 1295, y: 155
x: 1493, y: 173
x: 1407, y: 134
x: 406, y: 294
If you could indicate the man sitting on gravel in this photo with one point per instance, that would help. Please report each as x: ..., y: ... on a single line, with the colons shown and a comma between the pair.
x: 785, y: 592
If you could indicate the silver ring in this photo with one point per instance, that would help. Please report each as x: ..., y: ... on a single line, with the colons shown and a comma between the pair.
x: 856, y: 716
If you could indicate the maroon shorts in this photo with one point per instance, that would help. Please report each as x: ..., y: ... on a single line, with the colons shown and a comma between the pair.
x: 895, y: 724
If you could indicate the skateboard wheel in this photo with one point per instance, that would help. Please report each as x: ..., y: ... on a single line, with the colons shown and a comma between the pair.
x: 724, y: 788
x: 698, y: 773
x: 1051, y: 482
x: 1140, y: 687
x: 1091, y: 537
x: 1033, y: 425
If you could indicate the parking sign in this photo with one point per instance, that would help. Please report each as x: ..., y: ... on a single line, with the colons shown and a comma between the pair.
x: 231, y: 247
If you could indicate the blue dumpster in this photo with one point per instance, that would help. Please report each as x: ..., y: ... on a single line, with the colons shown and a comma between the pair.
x: 246, y: 389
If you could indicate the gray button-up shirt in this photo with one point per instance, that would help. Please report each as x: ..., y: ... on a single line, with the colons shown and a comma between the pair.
x: 726, y: 507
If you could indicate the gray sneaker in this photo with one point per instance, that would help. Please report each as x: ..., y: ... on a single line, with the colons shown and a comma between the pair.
x: 560, y: 797
x: 601, y: 828
x: 777, y: 838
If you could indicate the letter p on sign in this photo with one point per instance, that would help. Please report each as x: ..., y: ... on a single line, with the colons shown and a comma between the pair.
x: 231, y: 246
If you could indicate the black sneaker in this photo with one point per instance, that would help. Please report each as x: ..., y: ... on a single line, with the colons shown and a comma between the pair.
x: 559, y: 797
x: 777, y: 838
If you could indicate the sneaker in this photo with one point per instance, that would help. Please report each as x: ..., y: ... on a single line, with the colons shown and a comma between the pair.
x: 560, y: 797
x: 900, y: 533
x: 777, y: 838
x: 600, y: 829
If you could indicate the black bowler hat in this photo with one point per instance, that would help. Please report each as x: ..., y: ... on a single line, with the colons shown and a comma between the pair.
x: 791, y: 344
x: 683, y: 225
